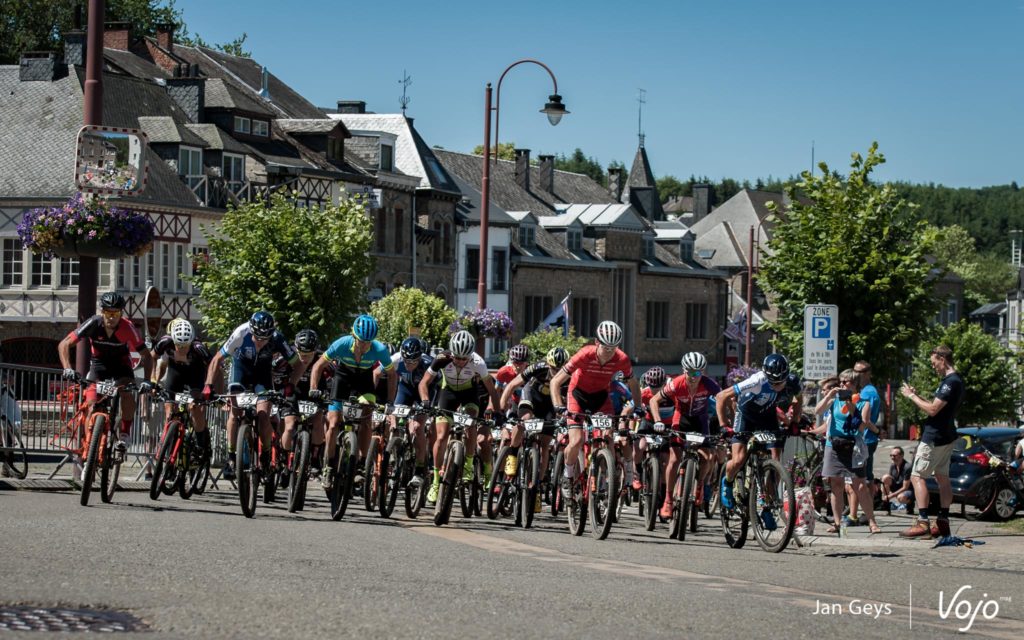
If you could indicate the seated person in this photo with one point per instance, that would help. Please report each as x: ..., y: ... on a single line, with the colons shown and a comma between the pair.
x: 896, y: 484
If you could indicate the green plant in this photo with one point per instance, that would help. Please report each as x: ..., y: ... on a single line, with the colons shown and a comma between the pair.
x: 540, y: 342
x: 409, y: 308
x: 45, y: 230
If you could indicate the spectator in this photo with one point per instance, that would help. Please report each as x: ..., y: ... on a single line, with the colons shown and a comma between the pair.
x: 847, y: 418
x: 896, y: 487
x: 937, y: 441
x: 869, y: 393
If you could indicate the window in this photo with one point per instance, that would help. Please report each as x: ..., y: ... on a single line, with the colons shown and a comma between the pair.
x: 951, y: 311
x: 648, y: 248
x: 399, y: 232
x: 472, y: 268
x: 69, y: 272
x: 260, y: 128
x: 13, y: 267
x: 233, y: 170
x: 42, y: 271
x: 165, y: 268
x: 136, y: 273
x: 380, y: 231
x: 657, y: 320
x: 150, y: 261
x: 335, y: 151
x: 696, y: 320
x: 437, y: 243
x: 686, y: 250
x: 105, y: 267
x: 574, y: 239
x: 122, y: 274
x: 584, y: 315
x: 243, y: 125
x: 499, y: 269
x: 526, y: 235
x: 387, y: 157
x: 190, y: 165
x: 536, y: 309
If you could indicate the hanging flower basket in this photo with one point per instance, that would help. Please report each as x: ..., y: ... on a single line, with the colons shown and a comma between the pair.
x: 485, y: 323
x: 91, y: 228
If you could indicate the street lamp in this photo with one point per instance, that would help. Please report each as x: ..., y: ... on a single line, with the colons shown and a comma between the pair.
x: 554, y: 109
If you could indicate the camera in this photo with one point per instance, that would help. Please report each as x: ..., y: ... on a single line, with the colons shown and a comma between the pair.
x: 845, y: 395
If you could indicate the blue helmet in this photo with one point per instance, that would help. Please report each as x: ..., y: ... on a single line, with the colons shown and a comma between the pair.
x: 365, y: 328
x: 775, y: 367
x: 262, y: 325
x: 412, y: 349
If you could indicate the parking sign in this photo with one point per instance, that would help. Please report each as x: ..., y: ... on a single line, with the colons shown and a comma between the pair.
x: 821, y: 341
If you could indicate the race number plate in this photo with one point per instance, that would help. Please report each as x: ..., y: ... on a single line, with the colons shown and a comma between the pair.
x: 401, y: 410
x: 654, y: 440
x: 601, y: 422
x: 246, y: 400
x: 464, y: 419
x: 307, y: 408
x: 766, y: 437
x: 695, y: 438
x: 106, y: 387
x: 274, y: 410
x: 378, y: 416
x: 496, y: 434
x: 352, y: 411
x: 183, y: 398
x: 534, y: 426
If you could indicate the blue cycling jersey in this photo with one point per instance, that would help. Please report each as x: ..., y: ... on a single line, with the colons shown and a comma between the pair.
x: 620, y: 395
x: 245, y: 357
x: 341, y: 352
x: 757, y: 400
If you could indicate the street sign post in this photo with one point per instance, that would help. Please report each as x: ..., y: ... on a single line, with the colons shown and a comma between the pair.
x: 821, y: 341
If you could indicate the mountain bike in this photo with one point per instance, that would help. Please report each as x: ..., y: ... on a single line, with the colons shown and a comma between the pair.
x: 398, y: 469
x: 684, y: 493
x: 763, y: 496
x: 594, y: 490
x: 181, y: 463
x: 451, y: 467
x: 375, y: 461
x: 555, y: 500
x: 517, y: 493
x: 299, y: 458
x: 346, y: 456
x: 102, y: 454
x: 13, y: 455
x: 652, y: 491
x: 249, y: 450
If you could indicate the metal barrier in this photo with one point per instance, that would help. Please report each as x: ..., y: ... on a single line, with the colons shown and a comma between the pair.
x: 43, y: 407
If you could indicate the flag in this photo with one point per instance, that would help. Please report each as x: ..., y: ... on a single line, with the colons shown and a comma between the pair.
x: 737, y: 327
x: 559, y: 316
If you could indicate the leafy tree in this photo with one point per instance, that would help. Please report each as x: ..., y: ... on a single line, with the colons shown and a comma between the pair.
x: 578, y: 162
x: 506, y: 150
x: 856, y: 245
x: 987, y: 278
x: 235, y: 47
x: 306, y: 265
x: 991, y: 374
x: 670, y: 187
x: 540, y: 342
x: 405, y: 308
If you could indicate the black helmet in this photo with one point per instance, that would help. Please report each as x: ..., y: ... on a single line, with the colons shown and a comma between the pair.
x: 519, y: 353
x: 412, y: 349
x: 307, y: 340
x: 262, y: 325
x: 775, y: 367
x: 112, y: 300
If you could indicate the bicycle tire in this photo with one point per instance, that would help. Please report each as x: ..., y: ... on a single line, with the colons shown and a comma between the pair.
x: 193, y: 480
x: 603, y: 493
x: 621, y: 491
x: 341, y: 492
x: 246, y: 463
x: 576, y: 507
x: 466, y: 490
x: 758, y: 491
x: 531, y: 479
x: 689, y: 475
x: 390, y: 476
x: 414, y: 494
x: 711, y: 497
x: 269, y: 483
x: 454, y: 459
x: 499, y: 482
x: 299, y: 472
x: 648, y: 496
x: 735, y: 521
x: 370, y: 480
x: 477, y: 498
x: 557, y: 502
x: 162, y: 465
x: 110, y: 471
x: 197, y: 481
x: 92, y: 458
x: 16, y: 460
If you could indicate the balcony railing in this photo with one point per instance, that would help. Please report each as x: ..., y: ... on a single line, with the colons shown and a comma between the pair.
x: 214, y: 191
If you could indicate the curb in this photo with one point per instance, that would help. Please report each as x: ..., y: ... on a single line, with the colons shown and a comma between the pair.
x: 882, y: 543
x: 66, y: 484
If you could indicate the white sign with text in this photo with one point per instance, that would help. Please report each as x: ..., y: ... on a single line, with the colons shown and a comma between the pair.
x: 821, y: 341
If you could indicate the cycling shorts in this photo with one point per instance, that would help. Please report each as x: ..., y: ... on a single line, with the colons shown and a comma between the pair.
x: 450, y: 400
x: 580, y: 402
x: 99, y: 371
x: 747, y: 425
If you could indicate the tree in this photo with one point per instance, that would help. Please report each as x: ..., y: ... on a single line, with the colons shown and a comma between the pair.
x: 991, y: 374
x: 506, y: 150
x: 540, y: 342
x: 578, y: 162
x: 670, y: 187
x: 986, y: 278
x: 405, y: 308
x: 306, y: 265
x: 856, y: 245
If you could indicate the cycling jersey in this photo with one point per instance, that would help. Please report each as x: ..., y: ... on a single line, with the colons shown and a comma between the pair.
x: 283, y: 372
x: 252, y: 367
x: 589, y: 375
x: 691, y: 409
x: 110, y: 351
x: 505, y: 375
x: 665, y: 411
x: 189, y: 372
x: 354, y: 376
x: 757, y: 400
x: 621, y: 396
x: 459, y: 378
x: 408, y: 390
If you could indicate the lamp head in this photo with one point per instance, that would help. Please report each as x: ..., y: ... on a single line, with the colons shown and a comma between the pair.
x: 554, y: 109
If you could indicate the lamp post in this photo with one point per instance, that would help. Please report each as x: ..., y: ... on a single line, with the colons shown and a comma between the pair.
x: 751, y: 257
x: 554, y: 109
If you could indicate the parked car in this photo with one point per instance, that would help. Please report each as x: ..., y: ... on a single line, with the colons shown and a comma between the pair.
x: 979, y: 473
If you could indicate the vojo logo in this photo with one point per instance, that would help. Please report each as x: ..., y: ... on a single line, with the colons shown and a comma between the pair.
x: 964, y: 610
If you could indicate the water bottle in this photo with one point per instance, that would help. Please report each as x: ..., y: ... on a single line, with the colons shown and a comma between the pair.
x: 843, y: 528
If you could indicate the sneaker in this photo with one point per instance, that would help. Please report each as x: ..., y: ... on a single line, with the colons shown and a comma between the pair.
x: 229, y: 472
x: 327, y: 479
x: 940, y: 529
x: 768, y: 520
x: 432, y: 492
x: 121, y: 446
x: 566, y: 487
x: 666, y: 510
x: 511, y: 465
x: 637, y: 485
x: 920, y: 529
x: 725, y: 491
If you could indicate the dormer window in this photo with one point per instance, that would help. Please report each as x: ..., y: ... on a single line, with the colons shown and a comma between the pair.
x: 648, y: 247
x: 387, y: 157
x: 335, y: 149
x: 243, y: 125
x: 526, y: 235
x: 260, y: 128
x: 574, y: 240
x: 686, y: 250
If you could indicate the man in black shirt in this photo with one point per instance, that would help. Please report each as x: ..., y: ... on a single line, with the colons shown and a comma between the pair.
x: 932, y: 457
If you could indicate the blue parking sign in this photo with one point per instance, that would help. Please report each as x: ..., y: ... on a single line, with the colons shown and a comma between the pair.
x: 821, y: 327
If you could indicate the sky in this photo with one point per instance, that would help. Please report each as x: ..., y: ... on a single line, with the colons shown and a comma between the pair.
x: 733, y: 88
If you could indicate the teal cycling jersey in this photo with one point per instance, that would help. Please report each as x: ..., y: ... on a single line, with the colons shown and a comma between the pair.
x: 341, y: 352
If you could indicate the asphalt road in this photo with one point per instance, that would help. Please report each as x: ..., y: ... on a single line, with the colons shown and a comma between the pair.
x: 200, y: 569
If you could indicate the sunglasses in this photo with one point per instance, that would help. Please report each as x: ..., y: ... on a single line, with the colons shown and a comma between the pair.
x: 695, y: 373
x: 111, y: 313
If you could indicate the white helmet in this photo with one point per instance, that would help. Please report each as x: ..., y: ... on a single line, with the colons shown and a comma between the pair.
x: 694, y: 361
x: 181, y: 331
x: 462, y: 344
x: 609, y: 333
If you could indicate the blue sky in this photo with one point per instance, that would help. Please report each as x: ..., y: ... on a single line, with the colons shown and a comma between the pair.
x: 735, y: 88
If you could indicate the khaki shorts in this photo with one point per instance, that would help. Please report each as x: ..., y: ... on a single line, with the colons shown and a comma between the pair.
x: 931, y: 460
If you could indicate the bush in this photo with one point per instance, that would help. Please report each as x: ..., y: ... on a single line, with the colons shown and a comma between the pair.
x: 540, y: 342
x: 405, y: 308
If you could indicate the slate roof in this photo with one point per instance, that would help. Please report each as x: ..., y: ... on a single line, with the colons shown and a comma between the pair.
x: 678, y: 204
x: 609, y: 216
x: 469, y: 207
x: 640, y: 174
x: 641, y: 188
x: 310, y: 125
x: 220, y: 94
x: 132, y: 64
x: 992, y: 308
x: 163, y: 129
x: 217, y: 139
x: 671, y: 230
x: 726, y: 230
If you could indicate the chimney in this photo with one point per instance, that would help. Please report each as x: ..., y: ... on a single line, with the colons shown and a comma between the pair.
x: 37, y: 66
x: 265, y: 84
x: 523, y: 168
x: 117, y: 35
x: 703, y: 196
x: 189, y: 92
x: 165, y: 36
x: 74, y: 47
x: 615, y: 183
x: 351, y: 106
x: 547, y: 173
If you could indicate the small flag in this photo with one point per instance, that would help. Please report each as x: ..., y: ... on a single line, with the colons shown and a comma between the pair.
x: 559, y: 316
x: 737, y: 327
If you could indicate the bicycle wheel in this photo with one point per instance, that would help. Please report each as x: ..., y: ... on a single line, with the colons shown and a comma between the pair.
x: 529, y: 474
x: 193, y: 465
x: 686, y: 504
x: 196, y: 480
x: 299, y: 472
x: 467, y: 490
x: 557, y: 503
x: 345, y: 468
x: 455, y: 457
x: 711, y: 497
x: 675, y: 521
x: 735, y: 521
x: 165, y: 472
x: 246, y: 465
x: 498, y: 491
x: 391, y: 467
x: 649, y: 494
x: 477, y: 498
x: 16, y: 460
x: 772, y: 506
x: 370, y: 480
x: 270, y: 484
x: 621, y: 491
x: 603, y: 493
x: 110, y: 470
x: 96, y: 438
x: 414, y: 493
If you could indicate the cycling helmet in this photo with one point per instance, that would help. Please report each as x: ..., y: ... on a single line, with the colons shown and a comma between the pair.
x: 262, y: 325
x: 307, y: 340
x: 411, y: 349
x: 609, y: 334
x: 655, y: 377
x: 519, y: 353
x: 557, y: 357
x: 775, y: 367
x: 694, y: 361
x: 112, y: 300
x: 462, y: 344
x: 365, y: 328
x: 181, y: 331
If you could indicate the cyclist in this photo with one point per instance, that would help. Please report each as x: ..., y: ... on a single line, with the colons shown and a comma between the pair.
x: 181, y: 365
x: 113, y: 337
x: 534, y: 382
x: 354, y: 356
x: 589, y: 374
x: 757, y: 399
x: 689, y: 395
x: 518, y: 360
x: 653, y: 382
x: 411, y: 364
x: 460, y: 369
x: 251, y: 347
x: 307, y: 345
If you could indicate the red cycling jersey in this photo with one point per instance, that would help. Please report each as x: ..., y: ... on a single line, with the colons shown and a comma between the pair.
x: 665, y: 410
x: 505, y: 374
x: 110, y: 351
x: 692, y: 408
x: 589, y: 375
